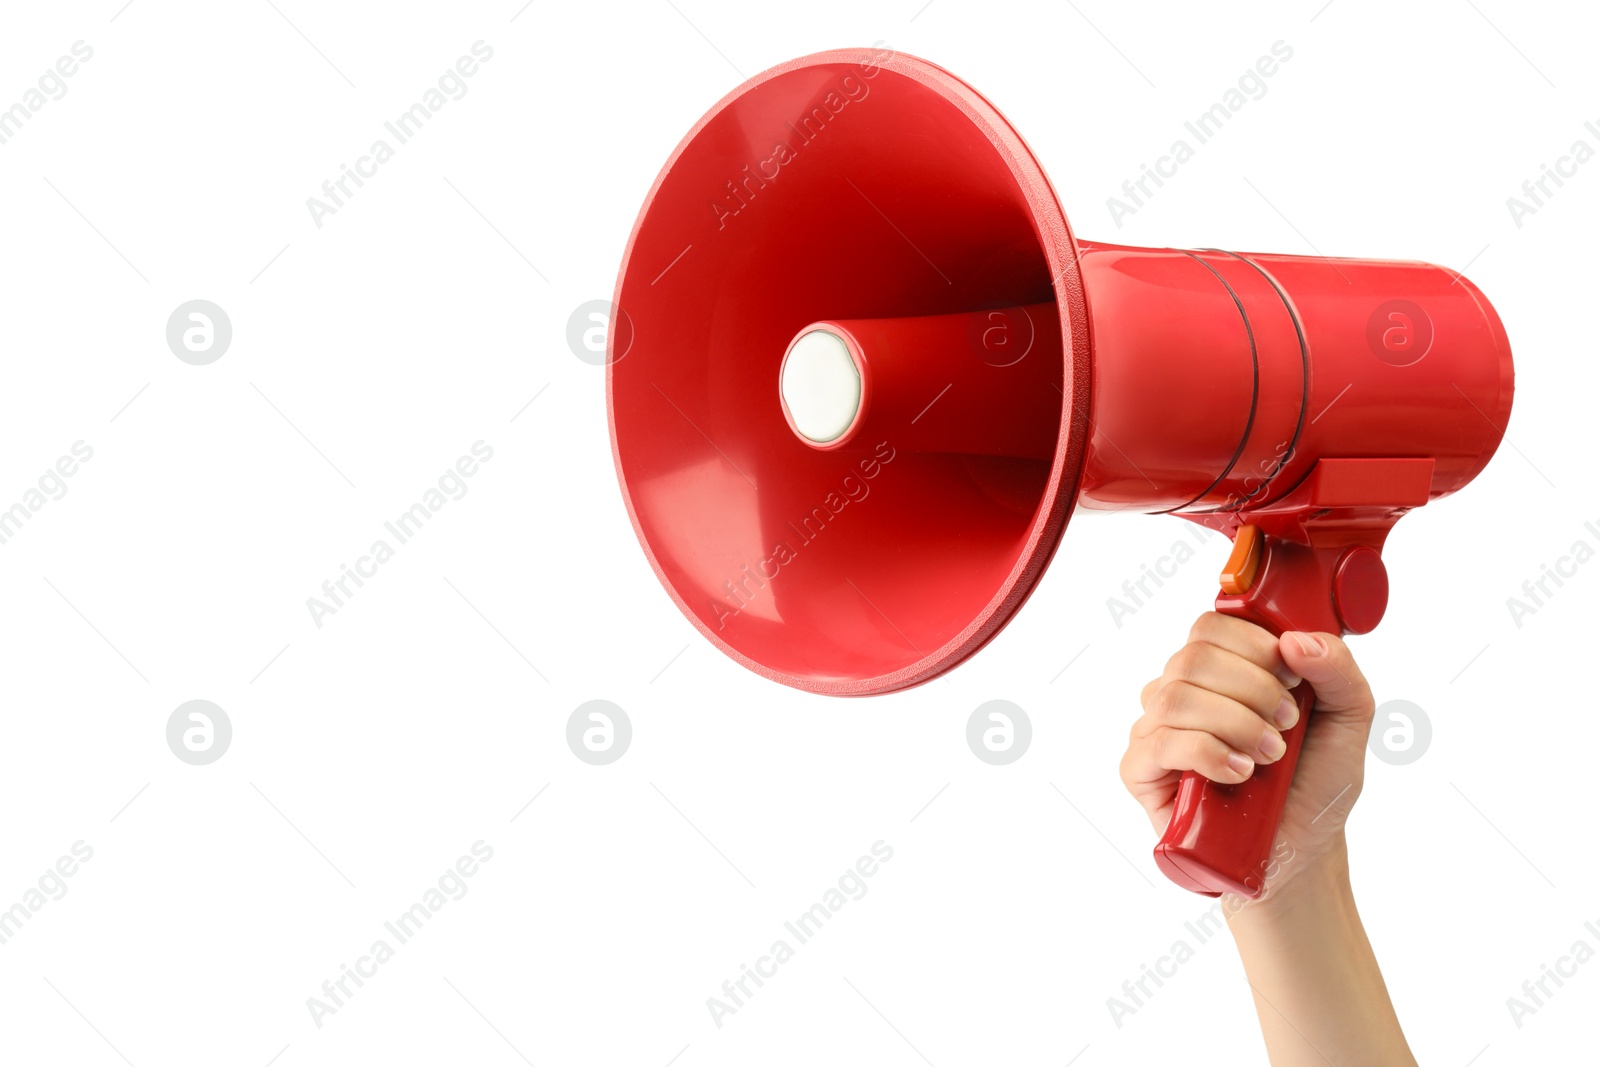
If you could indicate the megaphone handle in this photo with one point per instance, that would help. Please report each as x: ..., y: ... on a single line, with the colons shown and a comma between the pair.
x: 1220, y: 838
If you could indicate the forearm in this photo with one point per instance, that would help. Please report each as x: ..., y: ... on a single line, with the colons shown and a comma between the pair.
x: 1319, y: 994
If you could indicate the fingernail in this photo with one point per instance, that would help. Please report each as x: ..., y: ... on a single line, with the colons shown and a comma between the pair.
x: 1309, y: 644
x: 1239, y: 763
x: 1272, y: 746
x: 1286, y: 714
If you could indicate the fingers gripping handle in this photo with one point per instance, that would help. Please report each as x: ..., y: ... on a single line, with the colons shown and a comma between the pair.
x: 1220, y: 837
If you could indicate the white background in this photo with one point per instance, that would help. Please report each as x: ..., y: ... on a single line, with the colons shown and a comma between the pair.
x: 370, y: 753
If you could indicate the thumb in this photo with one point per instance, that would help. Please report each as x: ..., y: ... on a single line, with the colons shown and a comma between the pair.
x: 1325, y: 662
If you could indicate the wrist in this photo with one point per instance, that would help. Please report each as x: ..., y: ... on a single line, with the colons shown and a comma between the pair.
x: 1308, y: 888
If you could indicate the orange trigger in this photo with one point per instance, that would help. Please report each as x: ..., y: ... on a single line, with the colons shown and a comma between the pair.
x: 1239, y: 573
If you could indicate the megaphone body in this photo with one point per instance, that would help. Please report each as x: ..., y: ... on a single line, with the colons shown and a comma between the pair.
x: 861, y: 373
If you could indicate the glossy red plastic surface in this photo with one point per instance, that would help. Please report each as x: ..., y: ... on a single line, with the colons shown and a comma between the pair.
x: 1315, y: 399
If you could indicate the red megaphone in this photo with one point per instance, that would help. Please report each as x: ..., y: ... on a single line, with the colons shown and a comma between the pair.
x: 861, y: 372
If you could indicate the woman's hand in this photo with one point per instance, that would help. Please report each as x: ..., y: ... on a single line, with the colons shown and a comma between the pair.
x: 1219, y: 708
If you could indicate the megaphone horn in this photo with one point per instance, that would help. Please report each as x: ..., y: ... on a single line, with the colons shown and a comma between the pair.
x: 862, y: 373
